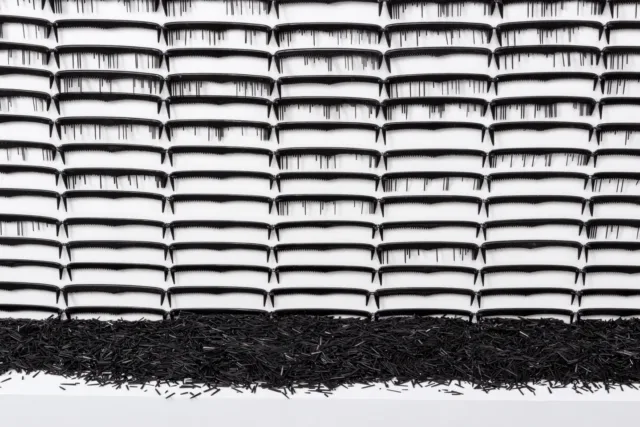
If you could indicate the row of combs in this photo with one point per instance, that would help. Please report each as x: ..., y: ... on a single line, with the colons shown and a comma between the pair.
x: 282, y: 32
x: 65, y: 126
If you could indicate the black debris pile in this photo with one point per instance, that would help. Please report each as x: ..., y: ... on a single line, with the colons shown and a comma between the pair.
x: 291, y: 353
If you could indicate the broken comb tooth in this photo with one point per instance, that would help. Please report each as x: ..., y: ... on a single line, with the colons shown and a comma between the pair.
x: 326, y: 204
x: 219, y: 84
x: 98, y: 127
x: 324, y: 5
x: 401, y: 156
x: 626, y: 130
x: 16, y: 120
x: 229, y: 8
x: 560, y: 79
x: 438, y: 53
x: 537, y: 126
x: 624, y: 8
x: 616, y: 156
x: 219, y: 54
x: 319, y: 34
x: 555, y: 8
x: 618, y: 182
x: 28, y: 225
x: 389, y: 128
x: 603, y: 276
x: 532, y: 157
x: 125, y: 177
x: 34, y: 265
x: 21, y: 175
x: 450, y: 181
x: 27, y: 247
x: 326, y: 158
x: 609, y: 314
x: 545, y: 106
x: 322, y: 181
x: 110, y: 57
x: 352, y: 60
x: 331, y: 107
x: 109, y: 82
x: 435, y: 106
x: 188, y: 33
x: 613, y: 228
x: 561, y: 56
x: 548, y: 31
x: 619, y: 57
x: 619, y: 82
x: 399, y: 8
x: 135, y: 6
x: 36, y: 200
x: 408, y: 85
x: 23, y: 150
x: 443, y: 32
x: 25, y: 26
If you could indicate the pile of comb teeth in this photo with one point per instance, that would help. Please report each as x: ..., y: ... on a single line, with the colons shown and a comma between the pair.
x: 471, y: 159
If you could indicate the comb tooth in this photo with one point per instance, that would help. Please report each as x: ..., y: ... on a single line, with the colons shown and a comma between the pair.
x: 352, y: 33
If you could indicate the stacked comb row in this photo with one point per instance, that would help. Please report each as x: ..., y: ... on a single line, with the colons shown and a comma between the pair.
x: 361, y: 158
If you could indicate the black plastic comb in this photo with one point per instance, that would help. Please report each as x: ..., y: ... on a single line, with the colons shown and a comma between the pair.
x: 11, y: 169
x: 615, y: 4
x: 611, y: 225
x: 282, y: 32
x: 619, y: 312
x: 608, y: 199
x: 536, y: 175
x: 432, y: 126
x: 115, y: 266
x: 446, y: 8
x: 485, y: 30
x: 427, y: 225
x: 115, y: 244
x: 23, y: 220
x: 111, y: 52
x: 18, y: 241
x: 621, y: 269
x: 41, y: 25
x: 26, y: 192
x: 216, y: 100
x: 589, y: 55
x: 217, y: 198
x: 12, y: 263
x: 105, y: 24
x: 547, y: 104
x: 433, y: 152
x: 323, y: 225
x: 429, y: 200
x: 422, y: 292
x: 49, y: 151
x: 113, y: 310
x: 42, y: 51
x: 216, y: 128
x: 219, y: 246
x: 7, y: 70
x: 286, y: 247
x: 527, y: 156
x: 253, y: 7
x: 392, y: 180
x: 111, y: 289
x: 621, y: 246
x: 619, y: 25
x: 537, y: 126
x: 550, y: 7
x: 287, y: 156
x: 218, y: 225
x: 524, y: 313
x: 105, y: 97
x: 217, y: 150
x: 112, y: 222
x: 422, y: 312
x: 545, y: 77
x: 213, y: 52
x: 43, y: 98
x: 604, y: 152
x: 617, y: 56
x: 462, y: 248
x: 73, y: 78
x: 109, y: 148
x: 324, y: 312
x: 620, y: 292
x: 13, y: 308
x: 327, y: 176
x: 524, y: 292
x: 625, y: 128
x: 617, y: 100
x: 426, y: 269
x: 529, y: 223
x: 329, y: 104
x: 88, y: 7
x: 215, y: 290
x: 281, y: 269
x: 328, y: 80
x: 12, y: 118
x: 528, y: 244
x: 69, y: 176
x: 367, y: 57
x: 545, y: 28
x: 325, y: 127
x: 220, y: 175
x: 318, y: 291
x: 436, y: 52
x: 435, y: 104
x: 598, y: 178
x: 528, y: 268
x: 368, y: 203
x: 219, y: 268
x: 481, y: 82
x: 113, y: 195
x: 277, y: 3
x: 122, y: 123
x: 176, y: 313
x: 616, y: 81
x: 210, y: 30
x: 195, y: 80
x: 19, y: 286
